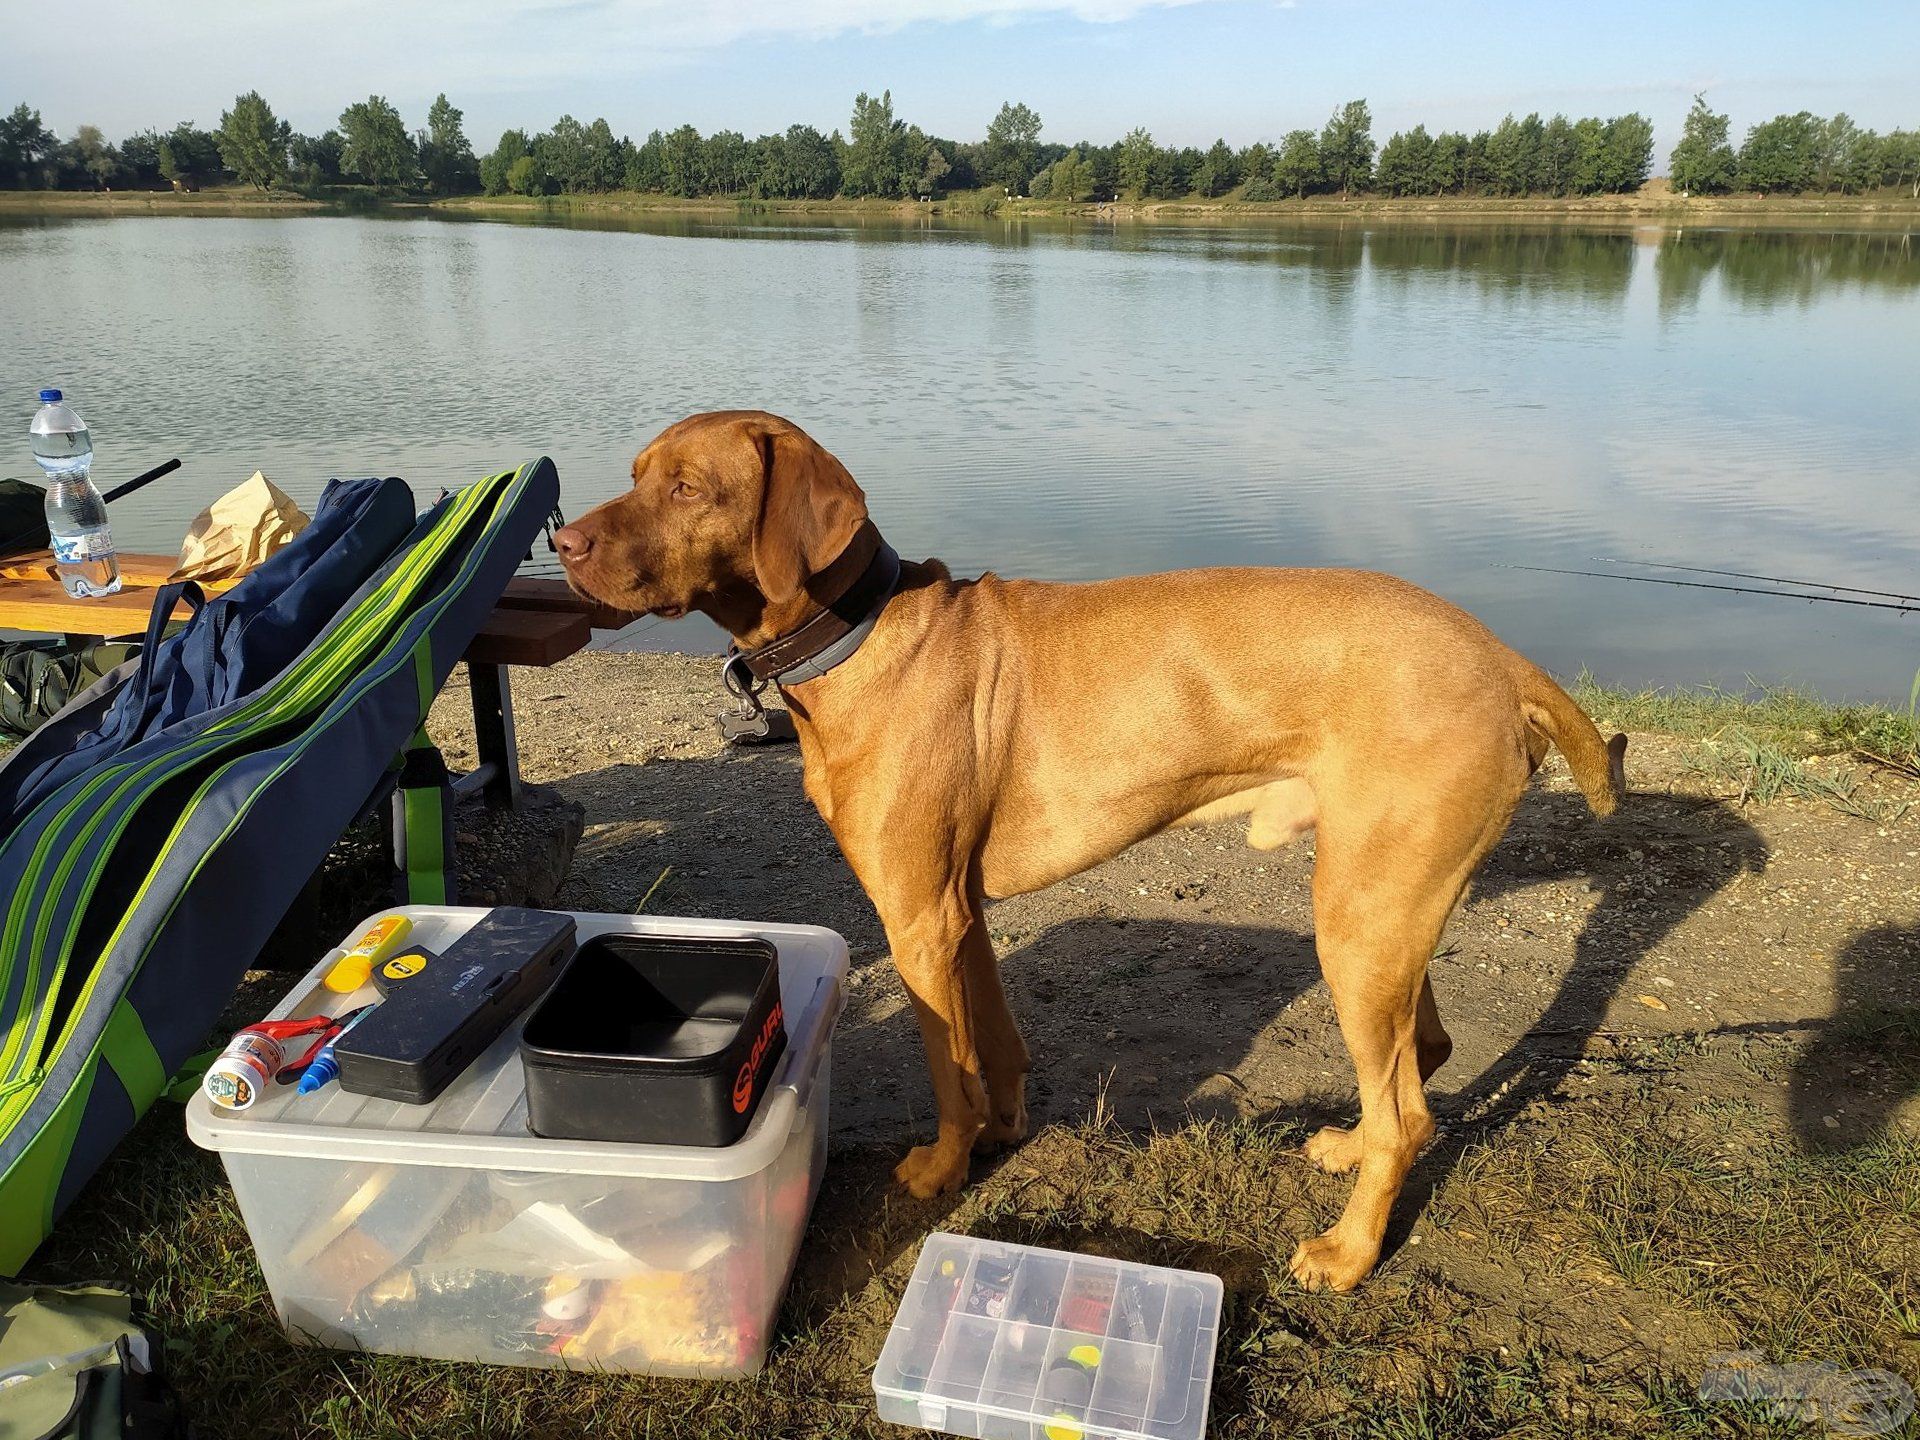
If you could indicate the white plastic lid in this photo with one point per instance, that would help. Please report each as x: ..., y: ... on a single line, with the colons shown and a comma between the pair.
x: 480, y: 1120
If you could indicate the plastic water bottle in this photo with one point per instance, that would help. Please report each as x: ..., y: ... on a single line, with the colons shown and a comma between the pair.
x: 76, y: 515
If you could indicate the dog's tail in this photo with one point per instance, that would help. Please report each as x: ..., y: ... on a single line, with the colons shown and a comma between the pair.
x: 1599, y: 766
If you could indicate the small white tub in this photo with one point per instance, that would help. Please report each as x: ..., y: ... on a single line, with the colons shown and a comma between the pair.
x: 452, y: 1232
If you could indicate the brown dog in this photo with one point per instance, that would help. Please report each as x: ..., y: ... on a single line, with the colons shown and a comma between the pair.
x: 994, y: 736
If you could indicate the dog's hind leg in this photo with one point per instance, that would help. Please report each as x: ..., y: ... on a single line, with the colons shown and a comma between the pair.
x: 1335, y: 1148
x: 1382, y: 891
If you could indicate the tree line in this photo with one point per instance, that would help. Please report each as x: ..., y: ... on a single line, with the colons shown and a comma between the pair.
x: 883, y: 156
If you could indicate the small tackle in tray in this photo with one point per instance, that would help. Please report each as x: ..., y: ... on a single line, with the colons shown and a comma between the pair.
x: 993, y: 1337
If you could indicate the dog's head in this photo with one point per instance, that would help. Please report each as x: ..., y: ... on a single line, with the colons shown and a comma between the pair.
x: 730, y: 512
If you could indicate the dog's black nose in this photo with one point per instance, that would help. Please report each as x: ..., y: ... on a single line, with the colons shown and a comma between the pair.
x: 572, y: 543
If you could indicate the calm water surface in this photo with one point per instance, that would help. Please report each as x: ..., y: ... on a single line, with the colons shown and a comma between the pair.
x: 1075, y: 401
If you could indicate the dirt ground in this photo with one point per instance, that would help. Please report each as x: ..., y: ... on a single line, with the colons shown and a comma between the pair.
x: 1682, y: 1117
x: 1179, y: 979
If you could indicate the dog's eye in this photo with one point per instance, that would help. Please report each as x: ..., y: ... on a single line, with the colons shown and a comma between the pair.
x: 683, y: 491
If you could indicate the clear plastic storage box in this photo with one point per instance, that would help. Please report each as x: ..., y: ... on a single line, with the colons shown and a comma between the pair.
x: 450, y: 1231
x: 1008, y: 1342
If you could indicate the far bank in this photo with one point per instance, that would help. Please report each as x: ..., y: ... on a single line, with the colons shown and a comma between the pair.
x: 1655, y: 204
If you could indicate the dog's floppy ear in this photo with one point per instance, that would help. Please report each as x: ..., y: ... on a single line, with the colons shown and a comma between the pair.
x: 809, y: 510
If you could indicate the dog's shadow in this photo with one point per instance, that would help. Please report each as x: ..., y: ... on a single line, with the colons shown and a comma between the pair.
x: 1863, y: 1063
x: 1167, y: 1019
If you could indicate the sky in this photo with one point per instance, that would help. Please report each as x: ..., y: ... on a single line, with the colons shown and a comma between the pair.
x: 1188, y: 70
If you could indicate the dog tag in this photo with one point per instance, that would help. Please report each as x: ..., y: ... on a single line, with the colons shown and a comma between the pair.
x: 760, y: 727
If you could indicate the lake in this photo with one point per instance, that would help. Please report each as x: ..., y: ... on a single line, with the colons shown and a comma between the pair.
x: 1073, y: 400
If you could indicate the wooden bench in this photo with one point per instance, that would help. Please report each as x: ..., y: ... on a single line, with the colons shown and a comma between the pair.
x: 537, y: 623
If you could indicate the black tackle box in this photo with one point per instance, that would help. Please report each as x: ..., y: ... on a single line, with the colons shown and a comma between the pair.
x: 441, y: 1010
x: 655, y: 1040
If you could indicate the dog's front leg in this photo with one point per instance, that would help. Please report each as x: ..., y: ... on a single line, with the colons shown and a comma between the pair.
x: 929, y: 943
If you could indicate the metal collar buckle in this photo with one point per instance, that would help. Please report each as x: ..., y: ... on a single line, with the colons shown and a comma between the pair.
x: 750, y: 722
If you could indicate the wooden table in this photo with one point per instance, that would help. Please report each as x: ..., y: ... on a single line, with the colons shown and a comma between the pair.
x: 537, y: 623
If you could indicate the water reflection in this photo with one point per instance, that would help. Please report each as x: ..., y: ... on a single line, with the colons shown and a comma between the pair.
x: 1767, y: 269
x: 1073, y: 399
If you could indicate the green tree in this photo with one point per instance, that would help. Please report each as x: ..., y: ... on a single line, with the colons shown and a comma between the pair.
x: 1218, y: 171
x: 1346, y: 147
x: 315, y: 159
x: 1839, y: 138
x: 1782, y: 154
x: 935, y: 168
x: 1297, y: 169
x: 1628, y: 147
x: 94, y: 157
x: 446, y: 156
x: 253, y: 143
x: 683, y: 159
x: 1513, y: 154
x: 1865, y: 162
x: 875, y: 162
x: 1406, y: 164
x: 1559, y: 150
x: 815, y: 161
x: 1449, y: 169
x: 728, y: 163
x: 1900, y: 161
x: 25, y: 144
x: 582, y: 159
x: 494, y: 168
x: 1013, y: 144
x: 1136, y: 162
x: 378, y: 148
x: 1476, y: 166
x: 1171, y: 174
x: 1702, y: 163
x: 140, y: 158
x: 524, y: 177
x: 189, y: 156
x: 646, y: 170
x: 1589, y: 155
x: 1073, y: 178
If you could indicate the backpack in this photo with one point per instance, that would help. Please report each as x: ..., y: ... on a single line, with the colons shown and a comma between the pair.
x: 74, y: 1363
x: 39, y: 677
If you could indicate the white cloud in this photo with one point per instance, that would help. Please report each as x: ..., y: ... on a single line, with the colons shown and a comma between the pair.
x: 303, y: 54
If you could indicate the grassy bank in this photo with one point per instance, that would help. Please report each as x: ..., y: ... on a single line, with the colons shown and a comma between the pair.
x: 1652, y: 205
x: 235, y: 200
x: 1798, y: 724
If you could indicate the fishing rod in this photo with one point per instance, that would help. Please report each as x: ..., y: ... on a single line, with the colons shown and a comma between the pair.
x: 134, y: 484
x: 1746, y: 575
x: 1730, y: 589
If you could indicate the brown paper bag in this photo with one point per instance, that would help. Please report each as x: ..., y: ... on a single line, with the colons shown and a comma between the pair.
x: 238, y: 531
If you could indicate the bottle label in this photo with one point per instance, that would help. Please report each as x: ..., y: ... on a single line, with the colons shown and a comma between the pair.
x: 85, y: 547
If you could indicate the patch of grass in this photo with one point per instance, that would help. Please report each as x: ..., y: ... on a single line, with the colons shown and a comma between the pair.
x: 1573, y: 1271
x: 1794, y: 722
x: 1762, y: 772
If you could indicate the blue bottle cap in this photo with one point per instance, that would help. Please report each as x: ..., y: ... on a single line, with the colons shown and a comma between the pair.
x: 49, y: 397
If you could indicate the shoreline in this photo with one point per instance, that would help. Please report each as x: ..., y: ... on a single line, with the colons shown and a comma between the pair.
x: 1653, y: 206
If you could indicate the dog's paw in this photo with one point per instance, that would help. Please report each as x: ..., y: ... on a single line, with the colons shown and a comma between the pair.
x: 931, y: 1170
x: 1327, y: 1262
x: 1334, y: 1149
